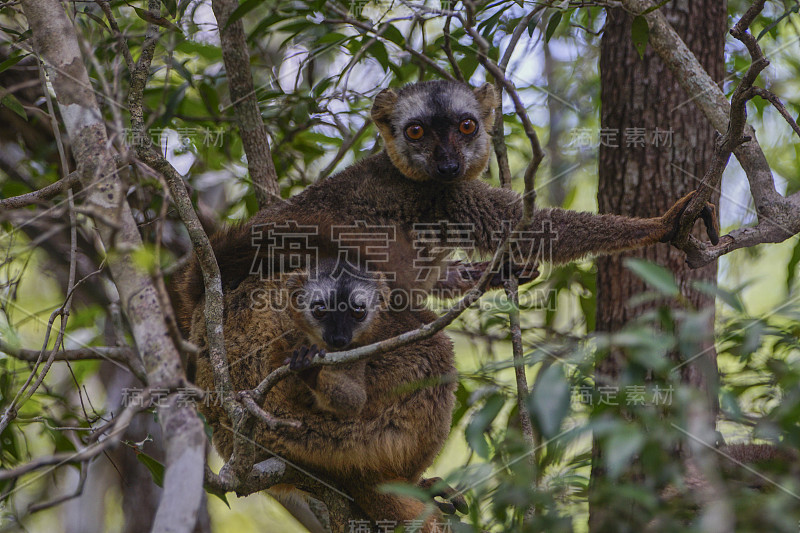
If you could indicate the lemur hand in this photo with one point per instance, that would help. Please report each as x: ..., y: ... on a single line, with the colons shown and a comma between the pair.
x: 672, y: 218
x: 300, y: 360
x: 437, y: 487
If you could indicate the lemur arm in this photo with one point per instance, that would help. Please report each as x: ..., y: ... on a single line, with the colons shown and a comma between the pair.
x: 339, y: 389
x: 560, y: 236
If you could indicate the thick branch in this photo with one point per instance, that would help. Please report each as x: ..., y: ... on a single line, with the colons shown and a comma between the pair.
x: 779, y: 217
x: 734, y: 135
x: 708, y: 97
x: 50, y: 191
x: 45, y: 193
x: 202, y: 247
x: 767, y: 231
x: 57, y: 45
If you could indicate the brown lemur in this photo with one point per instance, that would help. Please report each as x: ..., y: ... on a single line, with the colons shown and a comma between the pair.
x: 437, y: 145
x: 362, y: 424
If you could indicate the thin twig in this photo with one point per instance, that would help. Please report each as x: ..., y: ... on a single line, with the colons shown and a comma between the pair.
x: 120, y: 354
x: 776, y: 102
x: 66, y: 497
x: 123, y: 45
x: 448, y: 51
x: 118, y: 427
x: 43, y: 194
x: 368, y: 28
x: 264, y: 416
x: 346, y: 145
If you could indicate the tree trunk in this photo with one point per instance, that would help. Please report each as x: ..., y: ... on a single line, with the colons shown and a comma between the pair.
x: 559, y: 165
x: 655, y: 146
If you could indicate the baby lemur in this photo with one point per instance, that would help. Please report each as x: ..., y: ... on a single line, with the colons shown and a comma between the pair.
x: 437, y: 143
x: 362, y: 424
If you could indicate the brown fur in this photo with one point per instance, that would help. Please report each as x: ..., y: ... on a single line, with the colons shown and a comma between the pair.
x: 363, y: 424
x: 392, y: 188
x: 738, y: 463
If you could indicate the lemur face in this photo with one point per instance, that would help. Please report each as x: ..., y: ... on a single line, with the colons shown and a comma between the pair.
x: 336, y: 308
x: 437, y: 130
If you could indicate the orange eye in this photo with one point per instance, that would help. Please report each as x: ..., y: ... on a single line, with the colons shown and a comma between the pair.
x: 359, y: 313
x: 415, y: 132
x: 467, y: 127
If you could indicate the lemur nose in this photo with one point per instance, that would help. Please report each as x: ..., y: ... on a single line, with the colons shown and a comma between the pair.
x: 337, y: 340
x: 448, y: 169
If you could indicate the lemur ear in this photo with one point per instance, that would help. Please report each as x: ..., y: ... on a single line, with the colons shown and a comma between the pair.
x: 296, y: 279
x: 294, y: 283
x: 382, y: 106
x: 487, y: 99
x: 384, y: 291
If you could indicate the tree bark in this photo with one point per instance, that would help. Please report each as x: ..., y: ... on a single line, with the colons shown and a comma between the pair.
x: 57, y: 46
x: 644, y: 176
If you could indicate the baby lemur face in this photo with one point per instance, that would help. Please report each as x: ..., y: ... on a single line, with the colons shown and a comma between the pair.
x: 437, y: 130
x: 337, y: 308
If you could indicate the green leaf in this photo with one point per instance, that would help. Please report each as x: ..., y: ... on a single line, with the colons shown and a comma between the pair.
x: 532, y: 25
x: 210, y: 98
x: 15, y: 58
x: 550, y: 400
x: 640, y: 33
x: 394, y: 35
x: 206, y: 426
x: 480, y: 423
x: 8, y: 334
x: 156, y: 469
x: 98, y: 20
x: 193, y: 48
x: 753, y: 332
x: 791, y: 268
x: 11, y: 102
x: 657, y: 276
x: 552, y: 24
x: 728, y: 297
x: 333, y: 37
x: 378, y: 51
x: 404, y: 489
x: 462, y: 404
x: 468, y: 64
x: 621, y: 447
x: 657, y: 6
x: 175, y: 98
x: 243, y: 9
x: 729, y: 404
x: 181, y: 69
x: 172, y: 8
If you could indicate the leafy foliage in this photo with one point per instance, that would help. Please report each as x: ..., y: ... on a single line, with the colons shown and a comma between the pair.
x: 316, y: 67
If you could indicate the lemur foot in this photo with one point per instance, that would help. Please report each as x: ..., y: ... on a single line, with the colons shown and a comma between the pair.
x: 673, y: 217
x: 437, y: 487
x: 302, y: 357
